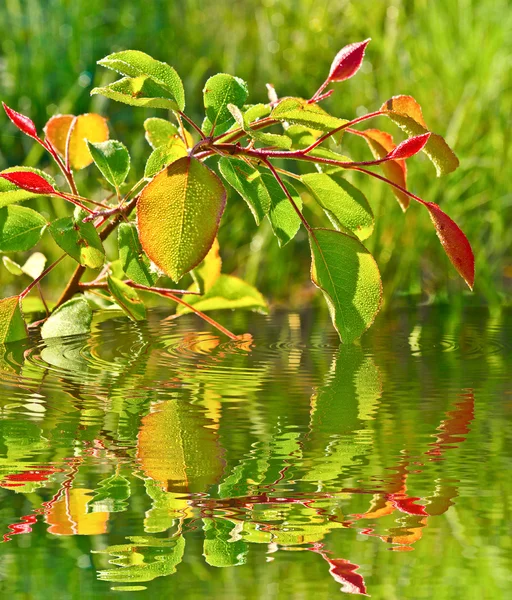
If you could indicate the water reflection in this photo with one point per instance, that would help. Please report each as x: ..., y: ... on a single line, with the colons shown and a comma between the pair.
x: 157, y: 443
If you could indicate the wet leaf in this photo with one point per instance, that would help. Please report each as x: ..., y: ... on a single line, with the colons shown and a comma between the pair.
x: 297, y: 111
x: 22, y: 122
x: 219, y: 91
x: 282, y: 216
x: 80, y: 240
x: 345, y: 205
x: 220, y: 549
x: 206, y: 274
x: 178, y: 216
x: 163, y: 157
x: 349, y: 277
x: 348, y: 61
x: 74, y: 317
x: 255, y: 112
x: 10, y: 193
x: 454, y: 242
x: 159, y: 132
x: 20, y: 228
x: 407, y: 114
x: 12, y: 325
x: 409, y: 147
x: 127, y: 298
x: 227, y: 292
x: 112, y: 159
x: 91, y: 126
x: 29, y: 181
x: 136, y: 64
x: 134, y: 262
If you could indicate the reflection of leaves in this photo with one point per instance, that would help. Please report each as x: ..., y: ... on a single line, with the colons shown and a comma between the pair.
x: 111, y: 495
x: 68, y: 516
x: 143, y: 559
x: 223, y: 546
x: 166, y: 508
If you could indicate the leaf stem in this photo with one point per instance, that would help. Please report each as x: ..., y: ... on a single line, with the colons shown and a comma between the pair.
x: 38, y: 279
x: 191, y: 123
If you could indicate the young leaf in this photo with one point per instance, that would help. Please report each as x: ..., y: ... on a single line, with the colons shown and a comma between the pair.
x: 90, y: 126
x: 160, y: 132
x: 345, y: 205
x: 299, y: 112
x: 13, y: 267
x: 348, y: 61
x: 138, y: 91
x: 178, y: 215
x: 10, y: 193
x: 207, y: 273
x: 454, y: 242
x: 20, y: 228
x: 227, y: 292
x: 80, y: 240
x: 408, y: 147
x: 270, y: 140
x: 219, y: 91
x: 127, y: 298
x: 162, y: 157
x: 134, y: 63
x: 381, y: 144
x: 407, y: 114
x: 134, y: 262
x: 34, y: 265
x: 29, y: 181
x: 74, y: 317
x: 349, y: 277
x: 22, y: 122
x: 112, y: 159
x: 12, y: 325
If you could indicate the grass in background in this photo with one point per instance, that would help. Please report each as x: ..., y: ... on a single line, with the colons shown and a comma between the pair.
x: 452, y: 56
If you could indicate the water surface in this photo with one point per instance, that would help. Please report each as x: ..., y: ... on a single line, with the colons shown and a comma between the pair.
x: 158, y: 460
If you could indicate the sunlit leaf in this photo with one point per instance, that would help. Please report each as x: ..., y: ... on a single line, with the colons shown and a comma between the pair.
x: 267, y: 139
x: 298, y: 111
x: 349, y: 277
x: 22, y: 122
x: 20, y: 228
x: 220, y: 549
x: 348, y: 61
x: 409, y: 147
x: 134, y: 63
x: 159, y: 132
x: 178, y: 216
x: 29, y: 181
x: 407, y: 114
x: 13, y: 267
x: 162, y: 157
x: 345, y: 205
x: 72, y: 318
x: 80, y: 240
x: 302, y: 137
x: 454, y: 242
x: 127, y: 298
x: 112, y: 159
x: 207, y: 273
x: 256, y: 112
x: 227, y: 292
x: 12, y: 325
x: 134, y: 262
x: 90, y: 126
x: 10, y: 193
x: 219, y: 91
x: 34, y: 265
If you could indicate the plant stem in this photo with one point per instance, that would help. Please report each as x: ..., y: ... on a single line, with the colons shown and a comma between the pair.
x: 191, y: 123
x: 38, y: 279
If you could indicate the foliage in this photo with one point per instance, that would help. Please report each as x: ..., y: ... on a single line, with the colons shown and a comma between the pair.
x: 180, y: 200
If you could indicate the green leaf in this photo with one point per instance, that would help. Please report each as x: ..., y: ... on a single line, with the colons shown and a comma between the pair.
x: 246, y: 180
x: 219, y: 91
x: 137, y: 91
x: 227, y: 292
x: 178, y: 215
x: 220, y: 549
x: 267, y: 139
x: 298, y: 111
x: 34, y: 265
x: 255, y: 112
x: 12, y: 325
x: 134, y: 262
x: 111, y: 496
x: 13, y: 267
x: 134, y: 63
x: 112, y: 159
x: 302, y: 137
x: 343, y: 203
x: 72, y: 318
x: 349, y: 277
x: 282, y: 216
x: 127, y: 298
x: 159, y: 132
x: 10, y: 193
x: 407, y: 114
x: 162, y: 157
x: 20, y: 228
x: 80, y: 240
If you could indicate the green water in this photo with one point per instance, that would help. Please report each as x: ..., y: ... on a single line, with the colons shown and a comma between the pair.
x: 159, y: 461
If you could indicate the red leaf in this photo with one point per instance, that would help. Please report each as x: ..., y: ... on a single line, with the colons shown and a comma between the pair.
x: 344, y: 572
x: 347, y: 62
x: 454, y: 242
x: 31, y: 182
x: 21, y: 121
x: 409, y: 147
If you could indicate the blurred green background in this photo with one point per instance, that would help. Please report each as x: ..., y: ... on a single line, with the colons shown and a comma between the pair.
x: 452, y: 56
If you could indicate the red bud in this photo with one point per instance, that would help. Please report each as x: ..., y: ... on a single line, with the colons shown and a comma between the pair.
x: 22, y: 122
x: 31, y: 182
x: 409, y: 147
x: 348, y: 61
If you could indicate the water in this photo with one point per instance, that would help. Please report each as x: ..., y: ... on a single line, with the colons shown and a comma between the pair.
x: 157, y: 460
